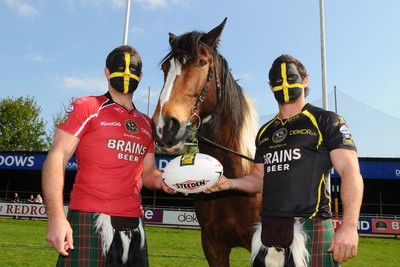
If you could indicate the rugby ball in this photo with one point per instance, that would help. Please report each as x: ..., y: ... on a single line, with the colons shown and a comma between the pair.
x: 192, y: 173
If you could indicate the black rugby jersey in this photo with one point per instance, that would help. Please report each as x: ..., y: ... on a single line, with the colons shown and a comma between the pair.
x: 295, y: 154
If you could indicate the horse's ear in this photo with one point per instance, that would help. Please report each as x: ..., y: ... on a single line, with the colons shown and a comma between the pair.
x: 171, y: 37
x: 212, y: 37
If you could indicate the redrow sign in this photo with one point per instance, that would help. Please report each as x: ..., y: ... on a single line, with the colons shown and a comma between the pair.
x: 189, y: 218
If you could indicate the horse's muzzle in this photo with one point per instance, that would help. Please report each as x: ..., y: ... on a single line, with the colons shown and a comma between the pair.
x: 169, y: 134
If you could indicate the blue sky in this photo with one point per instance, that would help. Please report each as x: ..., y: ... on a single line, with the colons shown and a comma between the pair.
x: 55, y: 50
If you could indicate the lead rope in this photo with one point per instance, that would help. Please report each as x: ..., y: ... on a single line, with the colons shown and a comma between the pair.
x: 205, y: 140
x: 193, y: 138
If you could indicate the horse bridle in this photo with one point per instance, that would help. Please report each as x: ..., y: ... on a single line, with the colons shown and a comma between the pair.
x: 203, y: 93
x: 200, y: 100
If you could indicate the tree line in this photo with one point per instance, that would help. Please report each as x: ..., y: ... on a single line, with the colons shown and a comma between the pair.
x: 21, y: 126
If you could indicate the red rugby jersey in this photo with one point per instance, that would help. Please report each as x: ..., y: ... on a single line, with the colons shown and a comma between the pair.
x: 113, y: 144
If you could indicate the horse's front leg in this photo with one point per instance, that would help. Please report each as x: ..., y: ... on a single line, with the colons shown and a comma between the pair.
x: 216, y: 252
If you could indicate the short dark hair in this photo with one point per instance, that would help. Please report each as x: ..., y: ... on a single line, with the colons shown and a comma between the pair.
x: 123, y: 49
x: 290, y: 59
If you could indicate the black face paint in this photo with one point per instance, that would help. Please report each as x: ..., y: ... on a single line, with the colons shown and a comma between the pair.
x: 124, y: 73
x: 286, y: 83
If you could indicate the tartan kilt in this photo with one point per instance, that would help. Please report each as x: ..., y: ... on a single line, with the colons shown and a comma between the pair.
x: 88, y: 250
x: 320, y: 233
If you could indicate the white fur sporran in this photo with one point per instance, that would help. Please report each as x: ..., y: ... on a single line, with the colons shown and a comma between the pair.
x: 106, y: 231
x: 276, y: 258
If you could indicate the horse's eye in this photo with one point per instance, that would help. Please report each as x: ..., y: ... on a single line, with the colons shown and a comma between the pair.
x: 202, y: 62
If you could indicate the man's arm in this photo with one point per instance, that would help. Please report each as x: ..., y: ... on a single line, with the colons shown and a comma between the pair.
x: 345, y: 240
x: 250, y: 183
x: 152, y: 176
x: 59, y: 232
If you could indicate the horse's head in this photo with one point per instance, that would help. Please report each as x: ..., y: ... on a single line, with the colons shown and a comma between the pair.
x: 191, y: 86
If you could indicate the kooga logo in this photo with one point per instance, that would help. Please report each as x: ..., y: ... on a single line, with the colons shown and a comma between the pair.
x: 113, y: 123
x: 16, y: 160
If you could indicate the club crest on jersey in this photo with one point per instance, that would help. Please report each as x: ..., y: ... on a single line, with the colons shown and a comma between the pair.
x: 131, y: 126
x: 279, y: 135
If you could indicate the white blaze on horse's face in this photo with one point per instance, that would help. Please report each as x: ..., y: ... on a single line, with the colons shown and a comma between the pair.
x: 174, y: 71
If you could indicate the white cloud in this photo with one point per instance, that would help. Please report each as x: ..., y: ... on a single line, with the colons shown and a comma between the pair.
x: 245, y: 76
x: 96, y: 3
x: 23, y: 8
x: 163, y: 3
x: 116, y: 4
x: 36, y: 57
x: 138, y: 30
x: 152, y: 3
x: 85, y: 83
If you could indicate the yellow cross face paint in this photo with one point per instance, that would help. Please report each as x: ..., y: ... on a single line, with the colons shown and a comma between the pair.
x: 286, y: 83
x: 124, y: 73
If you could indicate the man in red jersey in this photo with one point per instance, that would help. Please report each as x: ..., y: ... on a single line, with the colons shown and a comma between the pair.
x: 295, y: 152
x: 114, y: 148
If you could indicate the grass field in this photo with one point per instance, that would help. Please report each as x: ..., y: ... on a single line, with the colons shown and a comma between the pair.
x: 23, y: 243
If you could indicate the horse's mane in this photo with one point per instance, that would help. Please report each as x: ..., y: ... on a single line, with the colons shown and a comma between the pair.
x: 233, y: 103
x: 239, y: 110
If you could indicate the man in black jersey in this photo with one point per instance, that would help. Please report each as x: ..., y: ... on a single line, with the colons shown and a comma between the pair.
x: 295, y: 152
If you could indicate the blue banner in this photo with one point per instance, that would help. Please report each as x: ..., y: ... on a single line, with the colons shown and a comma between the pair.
x: 22, y: 161
x: 377, y: 169
x: 370, y: 169
x: 27, y: 161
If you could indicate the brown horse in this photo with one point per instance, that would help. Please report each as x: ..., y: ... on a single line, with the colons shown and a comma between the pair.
x: 200, y: 94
